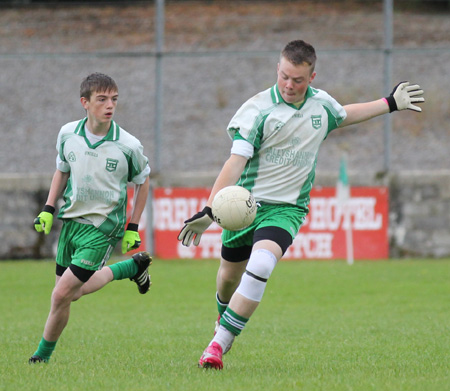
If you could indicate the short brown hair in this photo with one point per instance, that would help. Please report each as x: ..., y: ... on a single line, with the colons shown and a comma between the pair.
x: 299, y: 52
x: 96, y: 82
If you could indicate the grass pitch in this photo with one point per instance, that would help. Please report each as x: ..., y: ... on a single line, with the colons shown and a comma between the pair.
x: 380, y: 326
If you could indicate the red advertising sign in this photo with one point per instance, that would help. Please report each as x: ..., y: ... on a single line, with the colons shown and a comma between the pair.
x: 322, y: 236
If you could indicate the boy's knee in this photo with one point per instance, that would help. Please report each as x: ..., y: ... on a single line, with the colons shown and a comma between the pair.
x: 259, y: 269
x: 261, y: 264
x: 230, y: 276
x: 60, y: 297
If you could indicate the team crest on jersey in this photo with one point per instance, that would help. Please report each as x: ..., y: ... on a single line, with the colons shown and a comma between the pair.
x: 316, y: 121
x: 71, y: 157
x: 111, y: 164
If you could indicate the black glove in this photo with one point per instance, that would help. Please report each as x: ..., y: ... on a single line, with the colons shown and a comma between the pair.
x: 403, y: 96
x: 195, y: 226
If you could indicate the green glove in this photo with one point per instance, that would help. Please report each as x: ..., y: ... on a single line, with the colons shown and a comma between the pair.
x: 44, y: 221
x: 131, y: 240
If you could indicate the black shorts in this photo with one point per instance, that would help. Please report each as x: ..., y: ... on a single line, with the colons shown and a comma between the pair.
x: 275, y: 234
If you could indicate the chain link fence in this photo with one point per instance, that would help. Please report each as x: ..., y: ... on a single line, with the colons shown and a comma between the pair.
x: 216, y: 55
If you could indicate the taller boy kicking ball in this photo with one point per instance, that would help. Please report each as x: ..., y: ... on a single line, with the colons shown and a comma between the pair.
x: 96, y: 160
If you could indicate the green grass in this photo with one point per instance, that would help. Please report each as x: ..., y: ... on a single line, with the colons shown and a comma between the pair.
x: 321, y: 326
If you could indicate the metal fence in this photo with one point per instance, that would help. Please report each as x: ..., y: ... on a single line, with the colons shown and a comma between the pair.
x: 184, y: 68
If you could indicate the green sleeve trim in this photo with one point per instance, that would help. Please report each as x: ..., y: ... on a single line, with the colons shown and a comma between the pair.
x: 334, y: 120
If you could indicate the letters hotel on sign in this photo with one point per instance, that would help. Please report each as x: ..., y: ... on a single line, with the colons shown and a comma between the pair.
x: 321, y: 237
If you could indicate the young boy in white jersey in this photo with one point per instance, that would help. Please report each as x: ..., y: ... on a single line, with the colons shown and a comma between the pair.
x: 96, y: 160
x: 276, y: 137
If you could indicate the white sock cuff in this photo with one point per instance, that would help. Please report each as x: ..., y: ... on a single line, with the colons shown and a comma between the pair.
x: 220, y: 301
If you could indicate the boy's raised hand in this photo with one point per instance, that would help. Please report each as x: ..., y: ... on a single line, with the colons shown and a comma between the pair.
x: 403, y: 96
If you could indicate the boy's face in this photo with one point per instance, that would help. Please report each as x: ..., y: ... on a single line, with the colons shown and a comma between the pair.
x: 293, y: 80
x: 101, y: 106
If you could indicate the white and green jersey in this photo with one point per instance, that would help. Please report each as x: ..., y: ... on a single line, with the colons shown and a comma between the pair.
x: 286, y: 142
x: 96, y: 191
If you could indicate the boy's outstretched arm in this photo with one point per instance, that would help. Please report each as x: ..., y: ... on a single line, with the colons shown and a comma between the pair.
x: 403, y: 96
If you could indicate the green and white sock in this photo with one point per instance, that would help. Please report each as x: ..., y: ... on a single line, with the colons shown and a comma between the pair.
x: 224, y: 338
x: 233, y: 322
x: 124, y: 269
x: 45, y: 349
x: 221, y: 306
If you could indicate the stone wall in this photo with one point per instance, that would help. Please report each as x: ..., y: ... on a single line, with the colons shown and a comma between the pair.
x: 419, y: 211
x: 420, y: 214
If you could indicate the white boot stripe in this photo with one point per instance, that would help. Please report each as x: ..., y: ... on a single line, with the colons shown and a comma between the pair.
x: 142, y: 279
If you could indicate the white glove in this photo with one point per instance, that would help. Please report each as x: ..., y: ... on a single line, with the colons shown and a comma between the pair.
x: 403, y: 96
x: 195, y: 226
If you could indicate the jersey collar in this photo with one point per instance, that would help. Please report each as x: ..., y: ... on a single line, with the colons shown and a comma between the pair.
x: 112, y: 135
x: 277, y: 98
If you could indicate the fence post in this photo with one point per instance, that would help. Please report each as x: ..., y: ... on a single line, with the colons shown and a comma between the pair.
x: 159, y: 98
x: 388, y: 45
